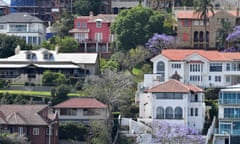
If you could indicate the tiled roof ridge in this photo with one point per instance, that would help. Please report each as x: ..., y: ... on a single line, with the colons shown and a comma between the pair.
x: 15, y: 116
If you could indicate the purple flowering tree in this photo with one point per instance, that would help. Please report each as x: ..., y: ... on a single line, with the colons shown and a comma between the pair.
x: 159, y: 42
x: 176, y: 134
x: 233, y: 40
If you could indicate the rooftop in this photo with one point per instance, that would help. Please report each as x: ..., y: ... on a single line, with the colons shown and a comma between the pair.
x: 81, y: 103
x: 19, y: 18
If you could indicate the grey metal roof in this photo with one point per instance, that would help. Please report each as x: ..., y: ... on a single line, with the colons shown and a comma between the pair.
x: 19, y: 18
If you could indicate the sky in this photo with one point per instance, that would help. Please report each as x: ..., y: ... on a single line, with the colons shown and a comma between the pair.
x: 7, y: 1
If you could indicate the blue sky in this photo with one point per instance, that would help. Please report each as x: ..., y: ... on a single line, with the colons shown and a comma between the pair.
x: 7, y: 1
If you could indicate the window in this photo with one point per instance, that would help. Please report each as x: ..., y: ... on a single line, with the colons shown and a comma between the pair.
x: 169, y: 95
x: 84, y: 25
x: 225, y: 128
x: 69, y: 112
x: 91, y: 111
x: 209, y: 78
x: 228, y: 67
x: 195, y: 78
x: 178, y: 113
x: 186, y: 23
x: 191, y: 112
x: 169, y: 113
x: 160, y: 113
x: 1, y: 27
x: 81, y: 37
x: 196, y: 22
x: 98, y: 24
x: 218, y: 78
x: 20, y: 131
x: 228, y: 78
x: 35, y: 131
x: 98, y: 37
x: 176, y: 66
x: 78, y: 25
x: 161, y: 70
x: 195, y: 68
x: 196, y: 111
x: 18, y: 28
x: 215, y: 67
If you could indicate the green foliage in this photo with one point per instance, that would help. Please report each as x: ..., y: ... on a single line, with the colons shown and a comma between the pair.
x: 65, y: 44
x: 64, y: 24
x: 108, y: 64
x: 9, y: 43
x: 53, y: 78
x: 73, y: 131
x: 212, y: 93
x: 61, y: 94
x: 20, y: 100
x: 13, y: 139
x: 136, y: 25
x: 125, y: 140
x: 3, y: 83
x: 99, y: 133
x: 83, y: 7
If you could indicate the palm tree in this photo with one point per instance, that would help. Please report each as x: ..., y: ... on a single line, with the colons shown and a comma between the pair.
x: 202, y: 9
x: 225, y: 29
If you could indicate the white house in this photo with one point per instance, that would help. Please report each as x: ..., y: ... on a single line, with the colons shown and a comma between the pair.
x: 23, y: 25
x: 199, y: 67
x: 229, y: 116
x: 29, y: 65
x: 81, y: 110
x: 173, y: 102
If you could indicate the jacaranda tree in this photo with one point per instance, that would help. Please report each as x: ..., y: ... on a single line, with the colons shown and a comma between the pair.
x: 233, y: 40
x: 166, y: 133
x: 159, y: 42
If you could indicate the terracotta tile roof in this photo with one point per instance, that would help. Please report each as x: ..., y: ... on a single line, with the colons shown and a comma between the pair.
x: 81, y: 103
x: 104, y: 17
x: 188, y: 15
x: 181, y: 54
x: 174, y: 86
x: 193, y: 15
x: 22, y: 114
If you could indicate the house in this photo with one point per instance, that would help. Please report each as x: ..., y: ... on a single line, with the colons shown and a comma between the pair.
x: 228, y: 116
x: 35, y: 122
x: 29, y: 65
x: 23, y: 25
x: 173, y: 102
x: 199, y: 67
x: 191, y: 30
x: 81, y: 110
x: 93, y: 32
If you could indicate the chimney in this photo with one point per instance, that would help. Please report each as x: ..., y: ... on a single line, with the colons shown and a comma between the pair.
x: 90, y: 13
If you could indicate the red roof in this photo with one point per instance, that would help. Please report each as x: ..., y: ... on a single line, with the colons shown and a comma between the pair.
x: 108, y: 18
x: 175, y: 86
x: 194, y: 15
x: 81, y: 103
x: 181, y: 54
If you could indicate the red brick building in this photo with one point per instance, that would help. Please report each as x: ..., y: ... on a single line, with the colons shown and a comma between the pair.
x: 93, y: 32
x: 35, y: 122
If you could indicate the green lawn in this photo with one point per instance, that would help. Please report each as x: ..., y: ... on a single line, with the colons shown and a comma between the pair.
x: 36, y: 93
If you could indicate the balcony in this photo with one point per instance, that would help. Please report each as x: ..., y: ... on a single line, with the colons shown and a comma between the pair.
x: 124, y: 3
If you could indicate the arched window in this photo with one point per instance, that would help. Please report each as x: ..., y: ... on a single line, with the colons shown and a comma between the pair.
x: 160, y: 113
x: 178, y: 113
x: 161, y: 70
x: 169, y: 113
x: 201, y: 37
x: 195, y: 37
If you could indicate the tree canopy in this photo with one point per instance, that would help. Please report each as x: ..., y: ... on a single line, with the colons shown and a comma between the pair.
x: 136, y: 25
x: 9, y: 43
x: 83, y: 7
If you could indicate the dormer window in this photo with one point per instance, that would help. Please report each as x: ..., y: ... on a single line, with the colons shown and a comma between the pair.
x: 47, y: 56
x: 31, y: 56
x: 98, y: 23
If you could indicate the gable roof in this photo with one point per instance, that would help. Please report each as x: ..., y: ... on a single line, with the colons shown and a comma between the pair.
x: 19, y: 18
x: 22, y: 114
x: 106, y: 18
x: 81, y: 103
x: 174, y: 86
x: 181, y: 54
